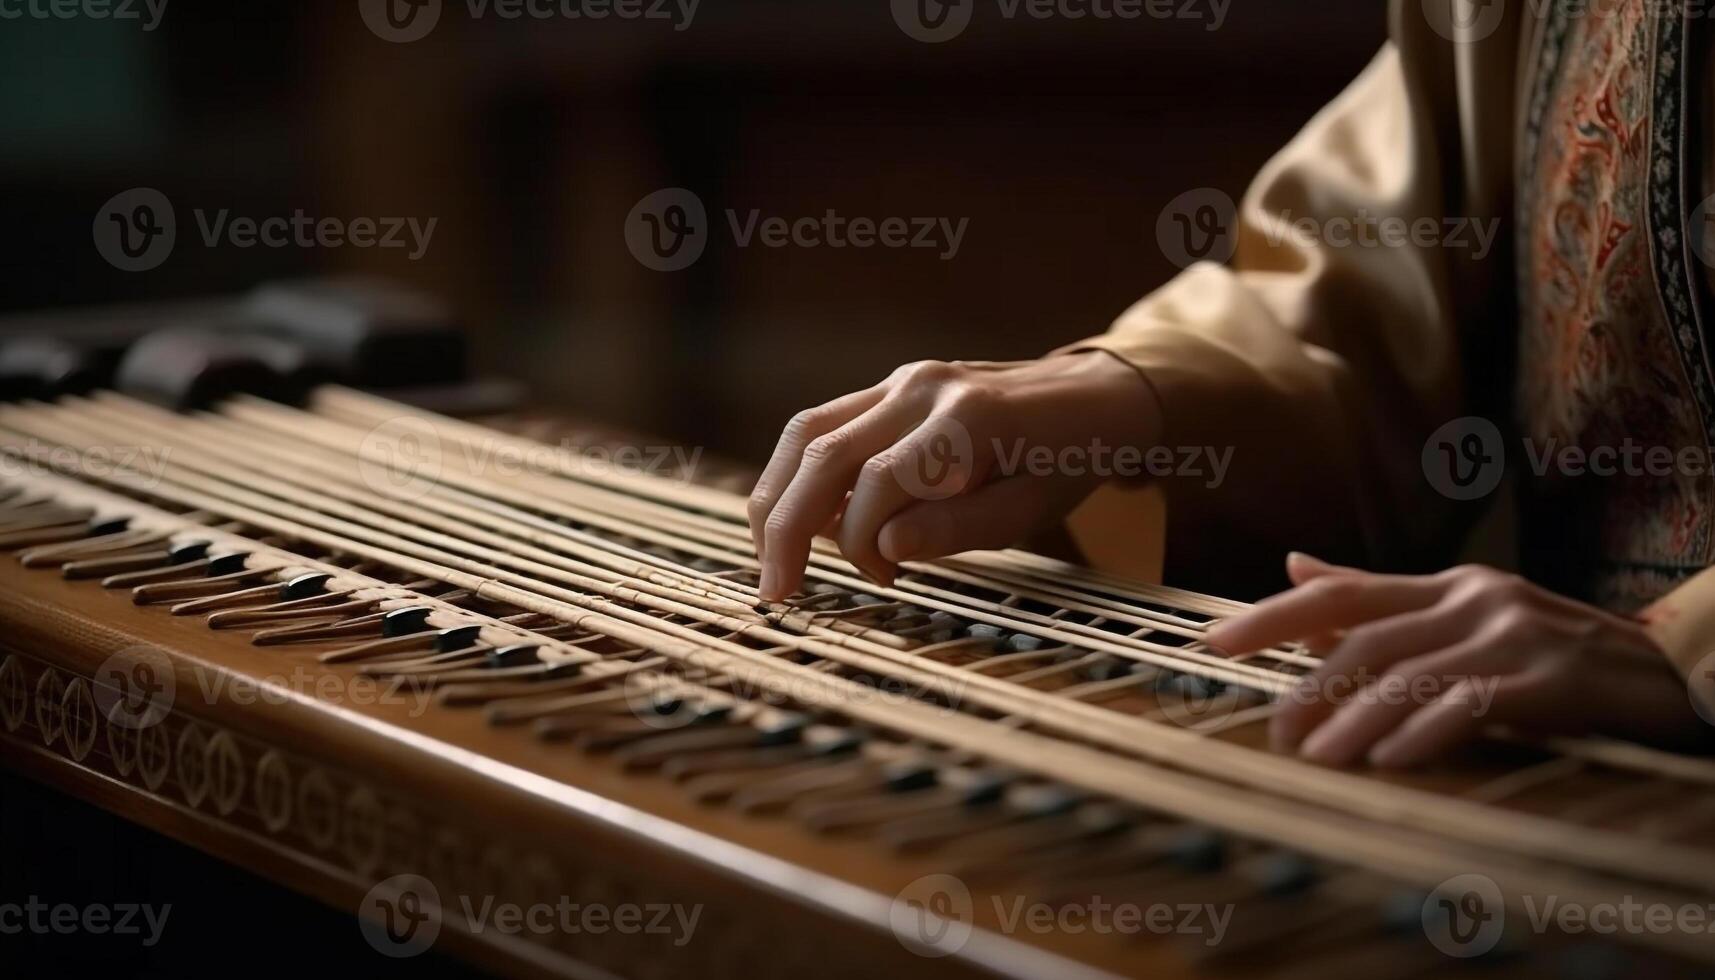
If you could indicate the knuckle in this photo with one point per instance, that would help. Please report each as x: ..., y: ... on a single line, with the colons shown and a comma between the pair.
x: 1361, y: 641
x: 757, y: 507
x: 1332, y: 589
x: 1511, y: 624
x: 1486, y: 577
x: 1507, y: 592
x: 801, y: 424
x: 876, y: 470
x: 967, y: 398
x: 923, y: 372
x: 825, y: 449
x: 778, y: 528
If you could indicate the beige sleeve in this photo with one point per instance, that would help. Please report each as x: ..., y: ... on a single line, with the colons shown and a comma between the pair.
x: 1683, y: 623
x: 1324, y: 366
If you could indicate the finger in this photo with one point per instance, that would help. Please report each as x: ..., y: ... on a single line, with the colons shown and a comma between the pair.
x: 996, y: 515
x: 1461, y: 714
x: 789, y: 452
x: 1322, y: 605
x: 1365, y: 653
x: 916, y: 469
x: 818, y: 490
x: 1301, y: 568
x: 1322, y: 644
x: 1382, y: 707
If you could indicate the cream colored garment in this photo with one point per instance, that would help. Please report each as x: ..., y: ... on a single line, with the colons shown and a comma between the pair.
x: 1328, y: 368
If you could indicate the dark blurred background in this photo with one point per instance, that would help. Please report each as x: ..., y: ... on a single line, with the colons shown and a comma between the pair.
x: 530, y: 140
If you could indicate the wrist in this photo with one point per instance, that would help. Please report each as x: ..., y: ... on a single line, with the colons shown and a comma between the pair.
x: 1119, y: 404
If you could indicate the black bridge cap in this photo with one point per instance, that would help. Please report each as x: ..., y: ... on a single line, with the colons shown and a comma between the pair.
x: 404, y: 622
x: 226, y: 563
x: 305, y: 585
x: 457, y: 637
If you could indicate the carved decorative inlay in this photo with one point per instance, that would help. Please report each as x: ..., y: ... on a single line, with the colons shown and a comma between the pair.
x: 402, y: 840
x: 14, y: 693
x: 318, y: 809
x: 121, y: 743
x: 361, y: 840
x: 274, y: 791
x: 154, y: 756
x: 494, y: 872
x: 539, y: 880
x: 50, y: 713
x: 80, y: 717
x: 191, y: 761
x: 225, y: 772
x: 447, y: 856
x: 325, y: 812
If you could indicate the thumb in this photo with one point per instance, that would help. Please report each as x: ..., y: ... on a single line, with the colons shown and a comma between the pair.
x: 995, y: 515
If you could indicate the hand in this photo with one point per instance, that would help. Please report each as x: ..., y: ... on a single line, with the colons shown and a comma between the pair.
x: 1431, y: 660
x: 918, y: 456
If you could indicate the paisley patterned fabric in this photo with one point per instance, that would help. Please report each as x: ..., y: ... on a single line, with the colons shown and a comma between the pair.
x: 1611, y: 353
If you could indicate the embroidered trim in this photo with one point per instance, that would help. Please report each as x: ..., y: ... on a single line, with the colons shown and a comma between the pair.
x: 1668, y: 214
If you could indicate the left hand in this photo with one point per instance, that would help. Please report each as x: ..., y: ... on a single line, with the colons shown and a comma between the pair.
x: 1418, y: 664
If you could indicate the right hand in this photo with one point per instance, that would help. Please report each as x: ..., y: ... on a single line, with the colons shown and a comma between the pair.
x: 921, y: 456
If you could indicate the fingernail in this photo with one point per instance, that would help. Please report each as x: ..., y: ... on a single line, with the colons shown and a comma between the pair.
x: 766, y: 587
x: 1317, y: 747
x: 1386, y: 755
x: 902, y: 542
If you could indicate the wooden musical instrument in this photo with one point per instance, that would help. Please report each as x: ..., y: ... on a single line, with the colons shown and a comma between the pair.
x: 426, y: 670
